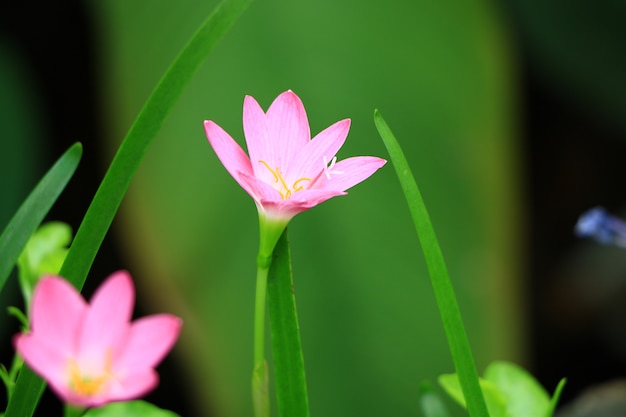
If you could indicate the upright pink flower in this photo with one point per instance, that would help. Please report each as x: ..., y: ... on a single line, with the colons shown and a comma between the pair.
x: 92, y: 354
x: 287, y: 172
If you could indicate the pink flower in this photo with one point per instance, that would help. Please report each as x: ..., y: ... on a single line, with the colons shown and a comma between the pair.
x: 92, y: 354
x: 287, y: 172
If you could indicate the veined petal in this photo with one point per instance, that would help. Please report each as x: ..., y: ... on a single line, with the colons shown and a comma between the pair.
x: 149, y: 340
x: 57, y: 311
x: 260, y: 190
x: 108, y: 319
x: 229, y: 152
x: 299, y: 202
x: 287, y: 128
x: 259, y: 145
x: 354, y: 170
x: 309, y: 161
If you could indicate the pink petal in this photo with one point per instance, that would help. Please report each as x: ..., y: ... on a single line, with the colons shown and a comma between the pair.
x: 261, y: 191
x: 354, y: 170
x: 57, y: 312
x: 149, y: 340
x: 255, y: 131
x: 129, y: 387
x: 309, y: 161
x: 287, y: 129
x: 229, y: 153
x: 108, y: 319
x: 43, y: 356
x: 299, y: 202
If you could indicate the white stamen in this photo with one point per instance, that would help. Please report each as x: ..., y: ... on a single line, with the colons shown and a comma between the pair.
x: 328, y: 169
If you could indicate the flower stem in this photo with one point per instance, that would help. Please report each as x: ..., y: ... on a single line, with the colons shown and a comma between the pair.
x: 260, y: 380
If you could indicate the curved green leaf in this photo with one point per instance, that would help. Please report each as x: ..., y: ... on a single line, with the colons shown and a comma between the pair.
x: 555, y: 397
x: 444, y: 293
x: 105, y: 203
x: 32, y: 212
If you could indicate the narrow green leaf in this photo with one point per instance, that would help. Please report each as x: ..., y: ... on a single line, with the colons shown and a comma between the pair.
x: 444, y: 293
x: 430, y: 402
x: 32, y: 212
x: 555, y: 397
x: 523, y: 393
x: 291, y: 391
x: 105, y: 203
x: 130, y: 409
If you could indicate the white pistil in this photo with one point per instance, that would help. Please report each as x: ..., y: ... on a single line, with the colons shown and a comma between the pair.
x: 328, y: 169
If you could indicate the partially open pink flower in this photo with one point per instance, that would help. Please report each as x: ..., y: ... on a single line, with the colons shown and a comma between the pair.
x: 92, y: 354
x: 287, y: 172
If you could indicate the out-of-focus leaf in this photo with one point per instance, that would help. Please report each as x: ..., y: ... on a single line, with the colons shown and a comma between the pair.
x: 555, y: 397
x: 523, y: 394
x: 130, y: 409
x: 44, y: 254
x: 430, y: 402
x: 496, y: 403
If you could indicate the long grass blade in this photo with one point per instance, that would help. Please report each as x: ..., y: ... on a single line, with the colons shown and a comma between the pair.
x: 34, y: 209
x: 105, y: 203
x: 444, y: 293
x: 291, y: 390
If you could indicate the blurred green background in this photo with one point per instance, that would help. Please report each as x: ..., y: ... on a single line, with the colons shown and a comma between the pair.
x: 370, y: 329
x: 446, y: 76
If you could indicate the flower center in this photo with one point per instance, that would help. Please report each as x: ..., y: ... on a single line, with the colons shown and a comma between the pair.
x: 86, y: 384
x: 281, y: 185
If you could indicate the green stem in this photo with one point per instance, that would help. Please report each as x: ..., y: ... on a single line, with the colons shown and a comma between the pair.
x: 260, y: 379
x: 259, y: 314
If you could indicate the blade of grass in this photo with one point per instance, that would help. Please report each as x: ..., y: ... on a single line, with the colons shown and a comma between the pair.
x: 33, y: 210
x: 444, y: 293
x: 291, y: 390
x: 105, y: 203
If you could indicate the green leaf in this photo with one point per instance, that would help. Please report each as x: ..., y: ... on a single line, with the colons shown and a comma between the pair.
x: 523, y: 393
x: 44, y: 254
x: 291, y: 390
x: 105, y: 203
x: 32, y: 212
x: 129, y: 409
x: 444, y: 293
x: 430, y: 402
x: 555, y: 397
x: 496, y: 402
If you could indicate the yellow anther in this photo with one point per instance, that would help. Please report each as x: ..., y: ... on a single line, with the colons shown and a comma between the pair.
x: 285, y: 192
x: 270, y: 169
x: 89, y: 385
x: 297, y: 187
